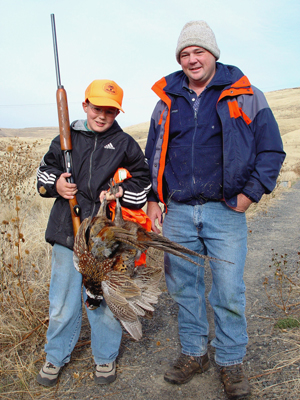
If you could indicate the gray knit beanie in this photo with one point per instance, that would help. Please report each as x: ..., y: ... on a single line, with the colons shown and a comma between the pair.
x: 197, y: 33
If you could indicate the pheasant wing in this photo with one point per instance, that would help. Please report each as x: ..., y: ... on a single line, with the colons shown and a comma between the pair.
x: 124, y: 297
x: 80, y: 246
x: 147, y: 278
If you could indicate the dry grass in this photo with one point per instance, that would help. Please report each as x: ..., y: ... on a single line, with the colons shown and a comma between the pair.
x: 287, y: 359
x: 25, y: 268
x: 283, y: 288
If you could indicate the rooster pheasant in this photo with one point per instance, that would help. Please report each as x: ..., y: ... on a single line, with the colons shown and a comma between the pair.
x: 105, y: 252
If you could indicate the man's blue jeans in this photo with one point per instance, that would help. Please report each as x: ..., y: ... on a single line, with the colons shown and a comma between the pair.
x: 66, y: 315
x: 212, y: 229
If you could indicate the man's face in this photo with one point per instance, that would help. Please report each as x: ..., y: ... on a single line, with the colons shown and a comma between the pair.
x: 99, y: 118
x: 198, y: 64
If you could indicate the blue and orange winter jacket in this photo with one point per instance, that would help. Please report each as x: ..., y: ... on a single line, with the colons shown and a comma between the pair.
x: 252, y: 150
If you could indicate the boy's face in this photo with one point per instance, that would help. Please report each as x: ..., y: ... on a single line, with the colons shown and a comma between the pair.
x: 99, y: 118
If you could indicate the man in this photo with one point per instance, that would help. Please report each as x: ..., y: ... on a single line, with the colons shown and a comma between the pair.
x: 213, y: 148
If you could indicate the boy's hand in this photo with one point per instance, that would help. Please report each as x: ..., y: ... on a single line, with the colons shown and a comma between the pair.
x: 64, y: 188
x: 109, y: 196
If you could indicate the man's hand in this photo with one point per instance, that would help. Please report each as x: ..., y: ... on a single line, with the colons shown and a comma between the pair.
x: 64, y: 188
x: 243, y: 203
x: 109, y: 196
x: 154, y: 213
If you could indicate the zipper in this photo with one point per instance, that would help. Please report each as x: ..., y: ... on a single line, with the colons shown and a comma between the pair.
x: 90, y: 169
x: 194, y: 135
x: 193, y: 151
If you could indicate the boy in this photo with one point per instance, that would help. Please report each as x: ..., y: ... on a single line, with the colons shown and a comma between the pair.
x: 100, y: 147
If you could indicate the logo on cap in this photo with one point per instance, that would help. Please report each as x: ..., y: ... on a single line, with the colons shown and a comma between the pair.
x: 109, y: 88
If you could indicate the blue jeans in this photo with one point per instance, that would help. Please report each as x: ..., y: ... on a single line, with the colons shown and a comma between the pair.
x: 66, y: 315
x: 211, y: 229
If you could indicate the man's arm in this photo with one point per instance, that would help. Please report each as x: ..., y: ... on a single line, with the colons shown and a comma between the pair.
x: 269, y: 148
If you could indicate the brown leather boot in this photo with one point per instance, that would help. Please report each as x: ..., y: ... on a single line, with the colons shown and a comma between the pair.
x: 235, y: 381
x: 186, y: 367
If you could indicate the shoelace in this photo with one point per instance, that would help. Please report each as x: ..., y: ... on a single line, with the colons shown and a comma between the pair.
x: 182, y: 361
x: 50, y: 366
x: 234, y: 373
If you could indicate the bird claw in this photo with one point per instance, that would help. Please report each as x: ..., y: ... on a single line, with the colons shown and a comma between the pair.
x: 112, y: 191
x: 114, y: 187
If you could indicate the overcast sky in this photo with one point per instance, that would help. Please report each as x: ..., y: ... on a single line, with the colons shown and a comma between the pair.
x: 132, y: 42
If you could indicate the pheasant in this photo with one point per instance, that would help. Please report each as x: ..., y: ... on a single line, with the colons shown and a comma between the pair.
x: 105, y: 253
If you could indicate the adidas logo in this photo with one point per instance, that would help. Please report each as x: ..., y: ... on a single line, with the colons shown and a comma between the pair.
x: 109, y: 146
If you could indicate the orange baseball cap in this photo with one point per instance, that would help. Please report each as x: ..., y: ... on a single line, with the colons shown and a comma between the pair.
x: 103, y: 92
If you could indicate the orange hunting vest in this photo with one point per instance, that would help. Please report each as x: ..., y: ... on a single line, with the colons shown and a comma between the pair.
x: 138, y: 216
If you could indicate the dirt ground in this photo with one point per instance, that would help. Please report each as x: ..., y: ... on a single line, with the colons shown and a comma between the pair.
x: 272, y: 360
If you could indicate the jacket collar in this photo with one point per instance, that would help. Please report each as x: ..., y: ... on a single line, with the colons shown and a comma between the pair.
x: 80, y: 126
x: 225, y: 77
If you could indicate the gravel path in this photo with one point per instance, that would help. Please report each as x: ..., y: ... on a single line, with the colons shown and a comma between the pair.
x: 273, y: 357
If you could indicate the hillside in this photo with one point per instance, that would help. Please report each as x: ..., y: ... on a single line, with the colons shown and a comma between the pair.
x: 37, y: 133
x: 284, y: 103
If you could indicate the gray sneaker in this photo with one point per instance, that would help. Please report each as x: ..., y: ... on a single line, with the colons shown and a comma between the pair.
x: 48, y: 374
x: 105, y: 373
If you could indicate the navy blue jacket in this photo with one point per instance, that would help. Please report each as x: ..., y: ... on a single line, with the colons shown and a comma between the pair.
x: 252, y: 146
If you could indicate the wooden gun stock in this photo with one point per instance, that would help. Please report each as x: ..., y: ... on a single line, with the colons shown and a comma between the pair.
x: 63, y: 119
x: 64, y: 131
x: 75, y: 211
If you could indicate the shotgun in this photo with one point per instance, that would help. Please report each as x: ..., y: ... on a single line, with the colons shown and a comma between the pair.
x: 64, y: 130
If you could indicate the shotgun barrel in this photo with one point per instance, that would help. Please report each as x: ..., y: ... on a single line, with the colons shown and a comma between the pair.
x: 64, y: 130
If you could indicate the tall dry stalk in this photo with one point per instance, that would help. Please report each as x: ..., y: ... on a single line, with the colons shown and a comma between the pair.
x: 283, y: 290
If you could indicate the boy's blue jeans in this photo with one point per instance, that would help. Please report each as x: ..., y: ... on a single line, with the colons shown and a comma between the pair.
x: 66, y: 315
x: 216, y: 230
